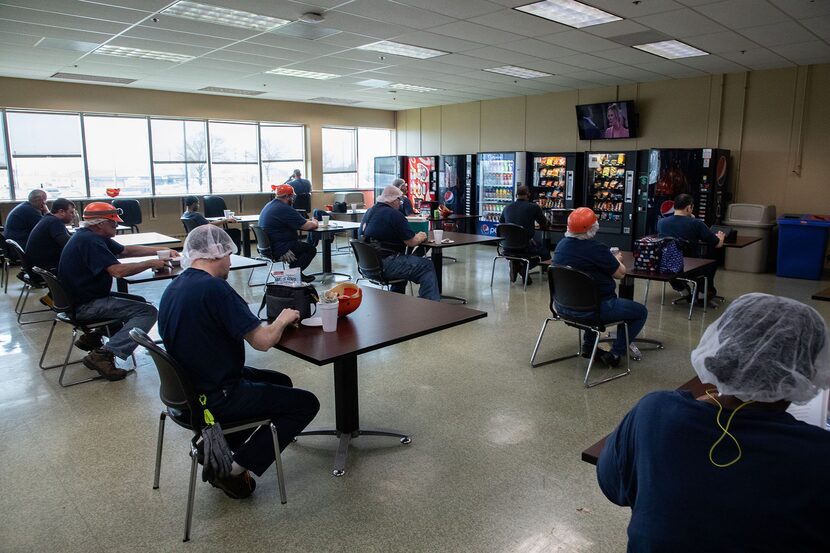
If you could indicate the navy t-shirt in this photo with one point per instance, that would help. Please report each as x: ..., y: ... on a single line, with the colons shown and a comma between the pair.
x: 195, y: 216
x: 83, y: 265
x: 386, y: 224
x: 686, y: 228
x: 406, y: 207
x: 202, y: 322
x: 301, y: 186
x: 281, y: 222
x: 20, y: 222
x: 592, y: 257
x: 525, y: 214
x: 46, y: 242
x: 774, y: 498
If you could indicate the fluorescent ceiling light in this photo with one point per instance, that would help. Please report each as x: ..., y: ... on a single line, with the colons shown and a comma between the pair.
x: 520, y: 72
x: 124, y: 52
x: 304, y: 74
x: 671, y: 49
x: 223, y: 16
x: 569, y: 12
x: 412, y: 87
x: 398, y: 49
x: 374, y: 83
x: 240, y: 91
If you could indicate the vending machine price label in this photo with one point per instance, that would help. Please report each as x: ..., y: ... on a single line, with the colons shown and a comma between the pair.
x: 629, y: 185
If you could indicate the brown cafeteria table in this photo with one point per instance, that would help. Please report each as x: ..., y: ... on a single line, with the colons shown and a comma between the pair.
x: 824, y: 295
x: 376, y: 324
x: 455, y: 239
x: 245, y: 221
x: 122, y: 284
x: 742, y: 241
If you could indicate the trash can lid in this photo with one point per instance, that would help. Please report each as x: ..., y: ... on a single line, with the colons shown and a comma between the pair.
x: 751, y: 213
x: 737, y: 223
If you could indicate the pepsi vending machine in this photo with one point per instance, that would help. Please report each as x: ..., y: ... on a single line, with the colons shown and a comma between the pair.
x: 457, y: 186
x: 498, y: 175
x: 609, y: 191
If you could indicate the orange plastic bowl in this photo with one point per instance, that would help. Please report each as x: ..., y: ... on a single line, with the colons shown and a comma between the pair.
x: 350, y: 297
x: 113, y: 192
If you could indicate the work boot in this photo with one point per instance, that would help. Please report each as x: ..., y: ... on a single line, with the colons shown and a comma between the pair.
x: 47, y: 301
x: 104, y: 362
x: 236, y: 487
x: 89, y: 341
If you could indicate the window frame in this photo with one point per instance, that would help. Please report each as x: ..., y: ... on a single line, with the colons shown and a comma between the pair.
x: 357, y: 156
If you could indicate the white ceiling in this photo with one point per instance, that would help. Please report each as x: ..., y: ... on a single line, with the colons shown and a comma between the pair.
x: 39, y: 38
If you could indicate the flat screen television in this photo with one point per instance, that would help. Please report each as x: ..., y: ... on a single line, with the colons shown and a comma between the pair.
x: 608, y: 120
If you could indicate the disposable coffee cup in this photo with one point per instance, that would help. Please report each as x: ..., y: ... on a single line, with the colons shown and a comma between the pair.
x: 354, y: 207
x: 438, y: 235
x: 227, y: 213
x: 326, y: 220
x: 164, y: 255
x: 615, y: 250
x: 328, y: 315
x: 231, y: 214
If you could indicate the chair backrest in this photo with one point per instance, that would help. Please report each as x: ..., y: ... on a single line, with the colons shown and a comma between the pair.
x: 368, y: 261
x: 214, y: 206
x: 572, y: 289
x: 189, y: 224
x: 514, y: 237
x: 3, y: 253
x: 350, y: 198
x: 303, y: 201
x: 132, y: 211
x: 263, y: 243
x: 175, y: 389
x: 62, y: 301
x: 18, y: 253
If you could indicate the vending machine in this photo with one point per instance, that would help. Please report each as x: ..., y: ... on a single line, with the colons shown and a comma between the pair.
x: 422, y: 180
x: 457, y: 186
x: 555, y: 183
x: 609, y: 190
x: 387, y: 169
x: 498, y: 175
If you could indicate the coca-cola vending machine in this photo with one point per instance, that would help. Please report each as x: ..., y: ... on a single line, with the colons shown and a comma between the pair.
x: 422, y: 180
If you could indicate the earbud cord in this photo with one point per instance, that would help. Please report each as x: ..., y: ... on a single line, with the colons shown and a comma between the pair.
x: 725, y: 431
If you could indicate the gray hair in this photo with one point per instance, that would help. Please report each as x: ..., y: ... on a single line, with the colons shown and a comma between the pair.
x: 35, y: 193
x: 587, y: 235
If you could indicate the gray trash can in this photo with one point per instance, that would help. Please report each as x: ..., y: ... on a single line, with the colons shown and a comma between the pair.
x: 750, y: 220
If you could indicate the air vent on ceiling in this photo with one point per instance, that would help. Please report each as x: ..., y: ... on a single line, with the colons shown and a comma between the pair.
x: 307, y: 31
x: 643, y: 37
x: 240, y: 91
x: 91, y: 78
x: 326, y: 100
x: 71, y: 45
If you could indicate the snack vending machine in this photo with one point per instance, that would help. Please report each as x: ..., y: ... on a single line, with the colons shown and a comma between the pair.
x: 457, y: 185
x: 387, y: 169
x: 498, y: 175
x: 663, y: 174
x: 609, y: 191
x: 422, y: 180
x: 554, y: 180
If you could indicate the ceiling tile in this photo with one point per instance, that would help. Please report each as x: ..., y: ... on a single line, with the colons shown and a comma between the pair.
x: 475, y: 60
x: 501, y: 55
x: 713, y: 64
x: 163, y: 35
x: 538, y: 48
x: 16, y: 39
x: 156, y: 46
x: 803, y: 8
x: 670, y: 69
x: 520, y: 23
x: 587, y: 61
x: 269, y: 51
x: 819, y: 25
x: 579, y: 40
x: 680, y: 23
x: 461, y: 9
x: 626, y: 55
x: 348, y: 40
x: 250, y: 59
x: 145, y: 5
x: 170, y: 23
x: 804, y: 53
x: 294, y: 43
x: 437, y: 42
x: 22, y: 15
x: 390, y: 12
x: 474, y: 33
x: 635, y: 9
x: 633, y: 73
x: 362, y: 26
x: 615, y: 28
x: 716, y: 43
x: 788, y: 32
x: 738, y: 14
x: 81, y: 9
x: 52, y: 32
x: 757, y: 58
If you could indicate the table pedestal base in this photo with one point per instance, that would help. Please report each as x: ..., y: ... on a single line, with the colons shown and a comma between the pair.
x: 343, y: 445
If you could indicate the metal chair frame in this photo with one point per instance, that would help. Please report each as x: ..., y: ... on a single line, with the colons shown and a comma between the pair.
x: 503, y: 231
x: 370, y: 267
x: 30, y: 283
x: 263, y: 248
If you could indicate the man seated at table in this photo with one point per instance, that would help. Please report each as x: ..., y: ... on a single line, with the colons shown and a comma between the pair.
x: 281, y: 222
x: 580, y: 250
x: 88, y: 263
x: 385, y: 227
x: 22, y: 219
x: 406, y: 205
x: 191, y: 212
x: 527, y: 215
x: 692, y: 231
x: 50, y: 235
x: 200, y: 308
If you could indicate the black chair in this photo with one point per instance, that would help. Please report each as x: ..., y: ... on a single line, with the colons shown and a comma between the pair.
x: 64, y: 308
x: 189, y: 224
x: 689, y: 249
x: 31, y: 281
x: 6, y: 263
x: 264, y: 253
x: 303, y: 202
x: 131, y: 212
x: 514, y: 241
x: 183, y: 408
x: 577, y: 291
x: 214, y: 206
x: 369, y: 265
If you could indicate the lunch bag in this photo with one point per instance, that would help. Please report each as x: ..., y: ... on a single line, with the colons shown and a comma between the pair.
x: 658, y: 255
x: 279, y: 296
x: 339, y: 207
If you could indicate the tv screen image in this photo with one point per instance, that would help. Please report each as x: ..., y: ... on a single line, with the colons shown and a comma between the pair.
x: 608, y: 120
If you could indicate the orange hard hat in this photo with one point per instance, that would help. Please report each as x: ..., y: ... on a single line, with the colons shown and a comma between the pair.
x: 581, y: 220
x: 102, y: 210
x: 284, y: 190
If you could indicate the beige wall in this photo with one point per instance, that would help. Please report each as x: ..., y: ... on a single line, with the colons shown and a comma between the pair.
x: 775, y: 122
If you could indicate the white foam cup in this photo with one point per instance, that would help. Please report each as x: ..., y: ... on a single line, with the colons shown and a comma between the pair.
x: 328, y: 315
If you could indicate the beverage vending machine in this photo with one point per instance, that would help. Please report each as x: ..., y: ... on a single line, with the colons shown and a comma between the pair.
x: 499, y: 173
x: 457, y: 185
x: 422, y: 180
x: 387, y: 169
x: 609, y: 190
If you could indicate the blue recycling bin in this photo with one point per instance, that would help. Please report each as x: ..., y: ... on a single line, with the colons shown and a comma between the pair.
x: 802, y: 242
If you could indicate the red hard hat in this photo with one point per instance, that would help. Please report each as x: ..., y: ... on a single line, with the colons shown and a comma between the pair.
x: 283, y: 190
x: 102, y: 210
x: 581, y: 220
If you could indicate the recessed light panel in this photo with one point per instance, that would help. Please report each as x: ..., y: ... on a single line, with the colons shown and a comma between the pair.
x: 520, y: 72
x: 223, y: 16
x: 124, y: 52
x: 412, y: 87
x: 398, y: 49
x: 328, y: 100
x: 240, y: 91
x: 569, y: 12
x: 91, y: 78
x: 374, y: 83
x: 284, y: 71
x: 671, y: 49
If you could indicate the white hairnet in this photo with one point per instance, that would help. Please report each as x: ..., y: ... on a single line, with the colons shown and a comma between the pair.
x: 398, y: 182
x: 206, y: 242
x: 765, y: 348
x: 91, y: 222
x: 587, y: 235
x: 390, y: 194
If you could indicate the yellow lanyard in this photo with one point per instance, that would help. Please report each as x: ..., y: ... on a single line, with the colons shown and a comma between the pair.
x: 725, y: 431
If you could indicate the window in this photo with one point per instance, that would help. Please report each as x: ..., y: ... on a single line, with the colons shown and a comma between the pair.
x: 339, y: 159
x: 5, y: 189
x: 234, y: 163
x: 179, y: 157
x: 118, y: 155
x: 282, y: 149
x: 46, y: 153
x: 371, y: 143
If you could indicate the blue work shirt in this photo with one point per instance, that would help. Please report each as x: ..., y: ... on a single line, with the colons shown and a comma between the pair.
x: 20, y: 222
x: 281, y: 223
x: 83, y: 265
x: 46, y: 242
x: 686, y: 228
x: 406, y: 206
x: 525, y: 214
x: 773, y: 499
x: 386, y: 224
x: 592, y: 257
x: 195, y: 216
x: 197, y: 310
x: 301, y: 186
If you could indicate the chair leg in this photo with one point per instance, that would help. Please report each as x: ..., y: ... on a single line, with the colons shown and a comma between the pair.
x: 46, y: 346
x: 278, y: 464
x: 663, y: 294
x: 539, y: 342
x: 66, y: 363
x: 21, y: 310
x: 694, y: 298
x: 159, y: 446
x: 19, y: 297
x: 191, y: 491
x: 591, y: 360
x: 493, y: 271
x: 645, y: 295
x: 618, y: 375
x: 527, y: 273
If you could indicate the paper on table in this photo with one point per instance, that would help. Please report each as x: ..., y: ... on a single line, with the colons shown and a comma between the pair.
x: 814, y: 412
